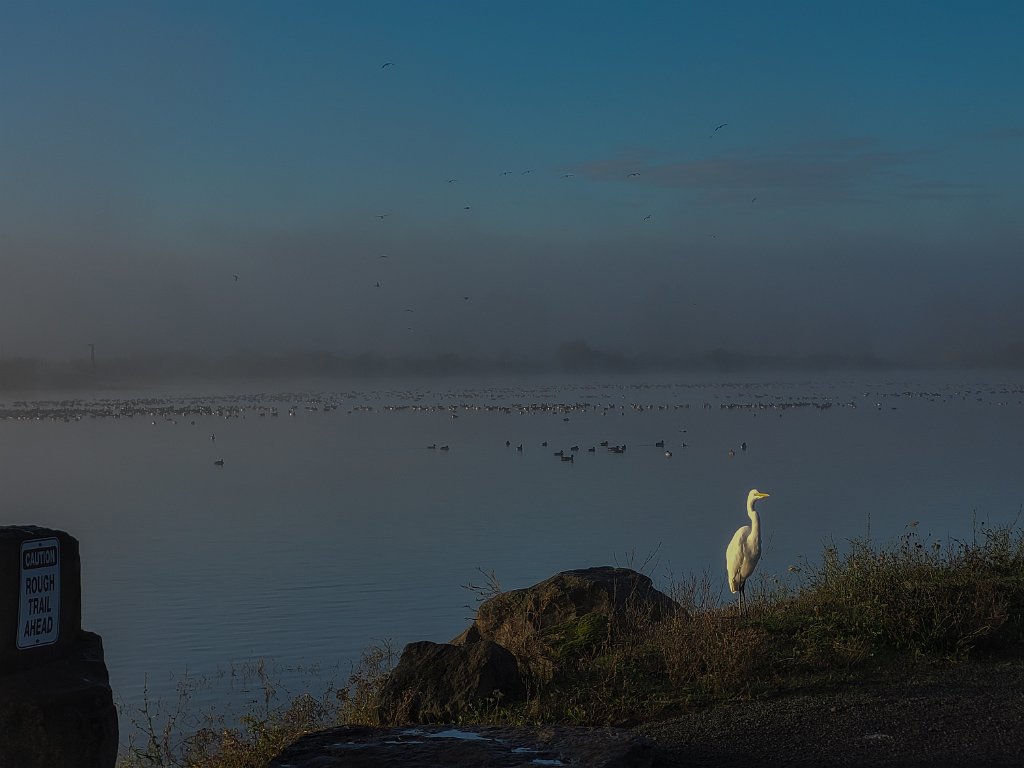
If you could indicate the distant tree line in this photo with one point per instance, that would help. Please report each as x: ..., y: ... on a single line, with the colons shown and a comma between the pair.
x: 576, y: 356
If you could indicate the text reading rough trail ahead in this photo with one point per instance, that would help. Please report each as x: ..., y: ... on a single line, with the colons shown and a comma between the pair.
x: 39, y: 608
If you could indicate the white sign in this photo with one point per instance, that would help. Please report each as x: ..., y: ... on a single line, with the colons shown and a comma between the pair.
x: 39, y: 613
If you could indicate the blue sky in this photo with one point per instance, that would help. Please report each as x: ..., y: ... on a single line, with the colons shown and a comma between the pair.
x: 558, y: 164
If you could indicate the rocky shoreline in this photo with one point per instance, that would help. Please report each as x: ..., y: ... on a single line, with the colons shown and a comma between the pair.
x: 963, y: 715
x: 918, y: 714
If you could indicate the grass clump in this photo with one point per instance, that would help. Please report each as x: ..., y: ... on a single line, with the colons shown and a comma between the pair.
x: 920, y: 598
x: 180, y: 737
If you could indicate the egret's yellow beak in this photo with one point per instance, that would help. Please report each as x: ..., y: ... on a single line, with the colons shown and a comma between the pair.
x: 762, y: 495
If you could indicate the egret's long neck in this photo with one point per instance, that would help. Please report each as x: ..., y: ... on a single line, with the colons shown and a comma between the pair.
x: 755, y: 519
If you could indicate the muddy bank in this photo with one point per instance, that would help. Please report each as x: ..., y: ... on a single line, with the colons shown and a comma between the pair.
x: 966, y: 715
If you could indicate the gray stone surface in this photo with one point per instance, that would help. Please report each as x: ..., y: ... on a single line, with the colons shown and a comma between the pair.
x: 476, y: 747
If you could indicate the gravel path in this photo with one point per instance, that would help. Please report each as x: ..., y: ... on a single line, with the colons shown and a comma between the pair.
x: 968, y: 715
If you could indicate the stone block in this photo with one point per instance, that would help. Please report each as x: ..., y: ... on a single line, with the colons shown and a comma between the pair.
x: 56, y: 705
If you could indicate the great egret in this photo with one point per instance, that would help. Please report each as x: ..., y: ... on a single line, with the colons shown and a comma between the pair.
x: 744, y: 550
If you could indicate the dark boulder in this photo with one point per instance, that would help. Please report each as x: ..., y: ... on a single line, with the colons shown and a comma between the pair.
x: 495, y: 747
x: 61, y: 714
x: 568, y: 613
x: 435, y: 682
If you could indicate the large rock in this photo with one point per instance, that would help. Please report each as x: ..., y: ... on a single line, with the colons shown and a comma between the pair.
x: 56, y: 706
x: 61, y: 714
x: 431, y: 747
x: 568, y: 613
x: 435, y: 682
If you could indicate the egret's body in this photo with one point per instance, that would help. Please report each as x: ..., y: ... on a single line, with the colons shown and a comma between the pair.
x: 744, y: 550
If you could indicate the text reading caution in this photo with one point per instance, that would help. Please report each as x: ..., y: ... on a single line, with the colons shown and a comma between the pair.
x: 39, y: 614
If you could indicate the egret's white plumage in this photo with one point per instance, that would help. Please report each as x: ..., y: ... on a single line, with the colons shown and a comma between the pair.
x: 744, y: 550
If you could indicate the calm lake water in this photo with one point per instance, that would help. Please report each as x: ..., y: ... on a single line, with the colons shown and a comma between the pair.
x: 332, y: 524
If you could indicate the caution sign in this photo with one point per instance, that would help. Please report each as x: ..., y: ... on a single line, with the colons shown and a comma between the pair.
x: 39, y: 613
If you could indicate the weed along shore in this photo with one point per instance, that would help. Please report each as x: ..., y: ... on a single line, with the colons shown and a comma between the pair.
x: 907, y: 654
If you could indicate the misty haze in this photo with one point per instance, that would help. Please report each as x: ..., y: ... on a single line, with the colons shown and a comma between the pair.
x: 493, y: 202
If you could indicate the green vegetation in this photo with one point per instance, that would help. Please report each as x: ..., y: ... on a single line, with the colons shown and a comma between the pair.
x: 855, y: 615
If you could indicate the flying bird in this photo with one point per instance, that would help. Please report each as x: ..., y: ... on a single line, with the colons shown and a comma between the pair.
x: 634, y: 173
x: 647, y: 217
x: 381, y: 216
x: 236, y: 278
x: 744, y: 550
x: 720, y: 126
x: 387, y: 64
